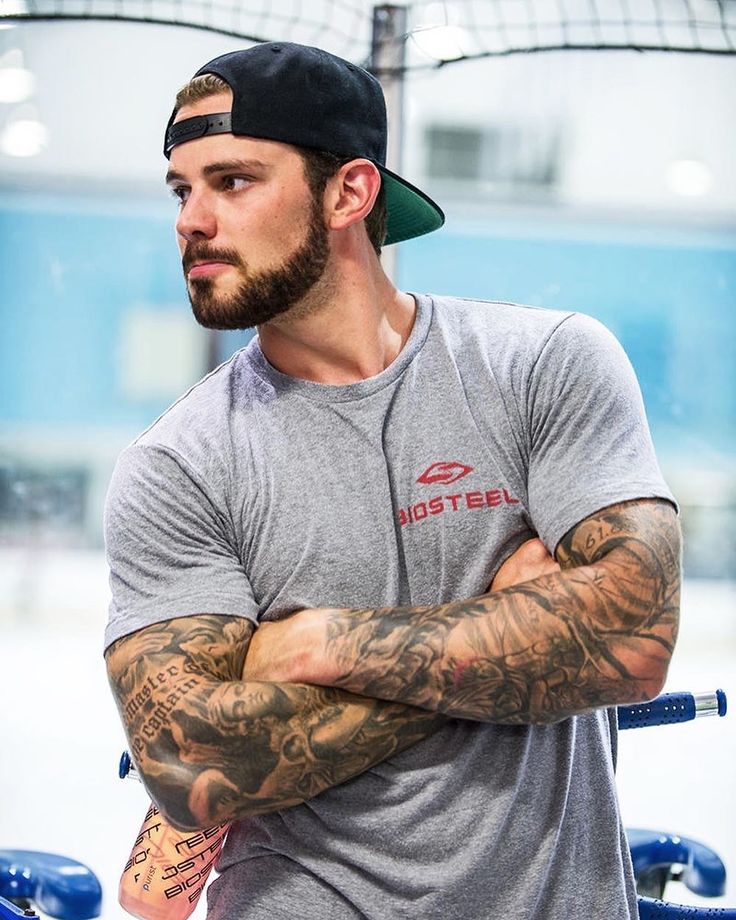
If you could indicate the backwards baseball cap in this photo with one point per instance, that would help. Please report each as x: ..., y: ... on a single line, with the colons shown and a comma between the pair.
x: 310, y: 98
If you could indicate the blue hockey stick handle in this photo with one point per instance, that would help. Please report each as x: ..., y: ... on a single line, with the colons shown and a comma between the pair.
x: 672, y: 707
x: 651, y: 909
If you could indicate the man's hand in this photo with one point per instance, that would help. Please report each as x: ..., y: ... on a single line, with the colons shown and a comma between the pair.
x: 277, y: 649
x: 529, y: 561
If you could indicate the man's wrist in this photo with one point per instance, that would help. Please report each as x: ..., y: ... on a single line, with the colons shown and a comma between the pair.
x: 292, y: 650
x: 312, y: 663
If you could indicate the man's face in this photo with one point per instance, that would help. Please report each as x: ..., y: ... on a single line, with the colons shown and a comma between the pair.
x: 253, y: 240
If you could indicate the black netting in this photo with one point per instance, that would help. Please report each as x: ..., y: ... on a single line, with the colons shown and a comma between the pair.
x: 341, y: 26
x: 438, y: 32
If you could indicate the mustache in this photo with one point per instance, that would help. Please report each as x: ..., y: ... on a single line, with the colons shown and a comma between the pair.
x: 204, y: 253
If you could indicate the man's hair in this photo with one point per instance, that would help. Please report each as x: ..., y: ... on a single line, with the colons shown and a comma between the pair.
x: 319, y: 165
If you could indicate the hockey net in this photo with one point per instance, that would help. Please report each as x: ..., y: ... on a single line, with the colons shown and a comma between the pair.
x: 437, y: 32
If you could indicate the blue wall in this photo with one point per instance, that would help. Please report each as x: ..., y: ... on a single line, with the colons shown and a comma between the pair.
x: 66, y: 279
x: 69, y: 271
x: 672, y: 304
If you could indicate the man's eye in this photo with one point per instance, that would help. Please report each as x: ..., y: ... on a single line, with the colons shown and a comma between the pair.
x: 180, y: 192
x: 235, y: 183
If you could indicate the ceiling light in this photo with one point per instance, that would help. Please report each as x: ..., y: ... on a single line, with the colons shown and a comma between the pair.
x: 435, y: 31
x: 24, y: 137
x: 443, y: 43
x: 14, y: 7
x: 16, y: 84
x: 11, y: 8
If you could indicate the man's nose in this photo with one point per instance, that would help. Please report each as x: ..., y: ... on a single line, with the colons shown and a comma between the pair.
x: 196, y: 218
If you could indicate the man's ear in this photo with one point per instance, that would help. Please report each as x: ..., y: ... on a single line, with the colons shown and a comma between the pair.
x: 350, y: 193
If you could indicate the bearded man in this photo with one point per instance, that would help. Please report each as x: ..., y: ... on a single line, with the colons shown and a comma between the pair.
x: 395, y: 563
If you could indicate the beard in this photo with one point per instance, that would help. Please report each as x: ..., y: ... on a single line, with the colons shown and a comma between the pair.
x: 264, y: 295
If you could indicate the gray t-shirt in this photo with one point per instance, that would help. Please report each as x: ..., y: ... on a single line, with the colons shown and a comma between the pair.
x: 258, y: 493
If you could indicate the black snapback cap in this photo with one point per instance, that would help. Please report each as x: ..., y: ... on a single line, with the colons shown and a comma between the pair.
x: 311, y: 98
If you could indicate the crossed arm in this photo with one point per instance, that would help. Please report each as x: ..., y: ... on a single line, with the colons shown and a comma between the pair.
x: 213, y: 747
x: 599, y: 632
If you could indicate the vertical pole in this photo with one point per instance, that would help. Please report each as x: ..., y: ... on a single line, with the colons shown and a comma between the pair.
x: 388, y: 55
x: 213, y: 355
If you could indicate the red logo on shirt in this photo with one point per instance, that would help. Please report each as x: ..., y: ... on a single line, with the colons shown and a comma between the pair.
x: 444, y: 473
x: 460, y: 501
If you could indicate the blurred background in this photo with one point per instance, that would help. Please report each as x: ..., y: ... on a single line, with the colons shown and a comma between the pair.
x: 593, y: 180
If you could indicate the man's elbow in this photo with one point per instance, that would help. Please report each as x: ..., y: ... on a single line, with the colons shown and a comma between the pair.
x: 198, y: 798
x: 184, y: 809
x: 647, y: 664
x: 169, y: 782
x: 651, y: 687
x: 648, y: 635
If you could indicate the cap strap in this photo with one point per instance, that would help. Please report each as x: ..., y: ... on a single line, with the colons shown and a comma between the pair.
x: 191, y: 128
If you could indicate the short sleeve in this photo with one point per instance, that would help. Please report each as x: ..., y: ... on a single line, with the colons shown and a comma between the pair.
x: 590, y: 444
x: 169, y: 546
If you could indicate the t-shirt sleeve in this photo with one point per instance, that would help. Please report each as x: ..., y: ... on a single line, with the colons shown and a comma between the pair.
x: 590, y: 444
x: 170, y: 546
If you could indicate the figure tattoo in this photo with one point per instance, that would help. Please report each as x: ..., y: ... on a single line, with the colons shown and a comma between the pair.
x: 213, y: 748
x: 598, y: 633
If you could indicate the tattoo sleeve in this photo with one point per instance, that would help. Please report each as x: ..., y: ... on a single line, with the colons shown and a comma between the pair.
x: 213, y: 748
x: 598, y: 633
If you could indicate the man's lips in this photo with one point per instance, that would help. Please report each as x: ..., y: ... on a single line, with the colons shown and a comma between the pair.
x: 207, y: 268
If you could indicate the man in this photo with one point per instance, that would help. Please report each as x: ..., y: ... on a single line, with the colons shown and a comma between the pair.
x: 394, y: 740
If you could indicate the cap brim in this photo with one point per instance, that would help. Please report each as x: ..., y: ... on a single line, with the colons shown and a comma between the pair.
x: 409, y: 212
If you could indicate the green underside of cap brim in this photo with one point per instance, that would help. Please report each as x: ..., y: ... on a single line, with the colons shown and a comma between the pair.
x: 409, y: 212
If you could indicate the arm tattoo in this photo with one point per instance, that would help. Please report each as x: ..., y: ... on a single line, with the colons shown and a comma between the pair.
x: 598, y: 633
x: 214, y: 748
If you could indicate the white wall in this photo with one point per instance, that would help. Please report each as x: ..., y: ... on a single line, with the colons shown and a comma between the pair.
x: 625, y: 117
x: 105, y: 91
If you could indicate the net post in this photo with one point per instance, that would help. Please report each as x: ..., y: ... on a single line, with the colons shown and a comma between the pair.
x: 387, y: 63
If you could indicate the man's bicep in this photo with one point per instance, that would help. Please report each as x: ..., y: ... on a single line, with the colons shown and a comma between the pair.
x: 171, y: 545
x: 589, y: 441
x: 647, y: 530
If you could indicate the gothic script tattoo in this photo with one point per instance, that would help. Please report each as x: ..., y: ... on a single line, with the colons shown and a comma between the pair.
x: 214, y: 748
x: 598, y: 633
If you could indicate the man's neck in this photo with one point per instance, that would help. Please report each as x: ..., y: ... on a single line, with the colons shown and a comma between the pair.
x: 351, y: 329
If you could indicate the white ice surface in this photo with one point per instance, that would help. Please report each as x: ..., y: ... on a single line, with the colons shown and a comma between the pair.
x: 61, y: 737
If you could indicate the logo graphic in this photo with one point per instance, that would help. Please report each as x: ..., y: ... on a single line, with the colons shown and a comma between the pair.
x: 444, y: 473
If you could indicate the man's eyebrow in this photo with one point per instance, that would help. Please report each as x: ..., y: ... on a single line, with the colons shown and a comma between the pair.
x: 223, y: 166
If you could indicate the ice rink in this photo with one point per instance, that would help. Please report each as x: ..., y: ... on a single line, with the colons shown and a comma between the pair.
x: 62, y: 737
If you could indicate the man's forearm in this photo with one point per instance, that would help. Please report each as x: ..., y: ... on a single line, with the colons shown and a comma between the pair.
x: 598, y: 633
x: 291, y: 743
x: 212, y: 748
